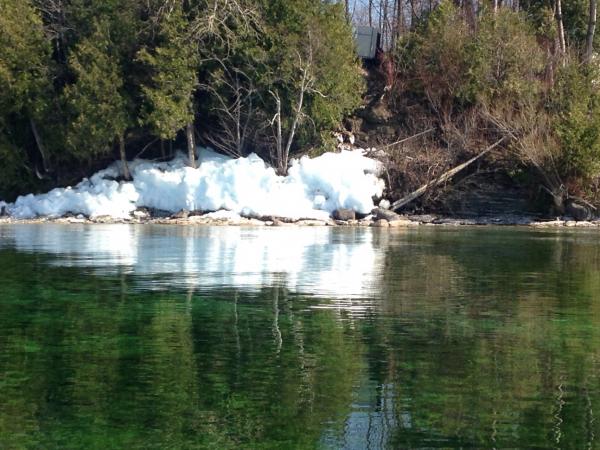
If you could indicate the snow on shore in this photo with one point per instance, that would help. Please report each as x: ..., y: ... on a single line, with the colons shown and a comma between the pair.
x: 313, y: 188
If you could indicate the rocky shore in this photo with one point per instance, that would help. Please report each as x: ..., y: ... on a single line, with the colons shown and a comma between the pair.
x: 379, y: 218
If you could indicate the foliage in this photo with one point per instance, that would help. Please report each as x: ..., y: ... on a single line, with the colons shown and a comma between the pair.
x: 24, y: 58
x: 95, y: 103
x: 78, y: 76
x: 172, y: 64
x: 576, y: 106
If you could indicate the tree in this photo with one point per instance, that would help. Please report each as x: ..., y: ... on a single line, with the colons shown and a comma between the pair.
x: 173, y: 65
x: 589, y: 42
x: 314, y: 76
x: 96, y: 102
x: 24, y: 88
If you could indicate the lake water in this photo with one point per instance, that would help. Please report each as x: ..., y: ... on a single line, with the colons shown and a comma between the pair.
x: 163, y: 337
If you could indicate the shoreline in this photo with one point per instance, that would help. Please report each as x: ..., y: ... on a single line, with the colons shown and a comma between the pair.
x: 403, y: 221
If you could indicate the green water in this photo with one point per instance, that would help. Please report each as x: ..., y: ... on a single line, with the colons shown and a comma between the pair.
x: 175, y: 338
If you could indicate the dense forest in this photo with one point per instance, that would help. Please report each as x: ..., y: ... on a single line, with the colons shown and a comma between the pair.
x: 83, y: 82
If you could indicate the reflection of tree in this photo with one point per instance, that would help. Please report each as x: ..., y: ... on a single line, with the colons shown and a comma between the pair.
x: 118, y: 368
x: 467, y: 347
x: 492, y: 343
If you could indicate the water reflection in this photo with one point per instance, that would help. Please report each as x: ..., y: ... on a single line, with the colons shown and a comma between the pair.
x: 449, y: 338
x: 317, y: 260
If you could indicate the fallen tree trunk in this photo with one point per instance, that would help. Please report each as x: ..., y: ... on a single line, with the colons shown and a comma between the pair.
x: 441, y: 179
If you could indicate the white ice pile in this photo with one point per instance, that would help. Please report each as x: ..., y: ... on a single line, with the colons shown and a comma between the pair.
x: 313, y: 188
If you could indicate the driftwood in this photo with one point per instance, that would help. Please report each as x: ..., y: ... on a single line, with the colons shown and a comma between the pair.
x: 441, y: 179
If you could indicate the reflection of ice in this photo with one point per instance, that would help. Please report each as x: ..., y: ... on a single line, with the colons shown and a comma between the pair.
x: 324, y: 261
x: 78, y: 245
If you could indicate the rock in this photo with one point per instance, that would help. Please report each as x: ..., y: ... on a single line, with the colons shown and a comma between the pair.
x: 585, y: 224
x: 141, y: 213
x: 570, y: 223
x: 102, y: 219
x: 424, y: 218
x: 381, y: 223
x: 399, y: 223
x: 280, y: 223
x: 198, y: 219
x: 385, y: 204
x: 255, y: 222
x: 70, y: 220
x: 386, y: 214
x: 183, y: 214
x: 578, y: 211
x: 311, y: 223
x: 159, y: 213
x: 344, y: 214
x: 550, y: 223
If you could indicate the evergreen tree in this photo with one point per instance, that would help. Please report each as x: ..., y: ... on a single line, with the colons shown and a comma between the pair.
x: 24, y: 85
x: 172, y: 64
x: 96, y: 103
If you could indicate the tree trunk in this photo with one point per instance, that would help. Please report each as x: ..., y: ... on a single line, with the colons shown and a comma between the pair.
x: 280, y: 167
x: 123, y: 156
x: 471, y: 9
x: 370, y: 13
x: 40, y: 144
x: 495, y: 10
x: 298, y: 112
x: 589, y: 41
x: 191, y: 145
x: 162, y: 149
x: 561, y: 29
x: 399, y: 19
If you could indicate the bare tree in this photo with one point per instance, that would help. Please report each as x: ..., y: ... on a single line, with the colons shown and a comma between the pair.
x: 305, y: 85
x: 234, y: 110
